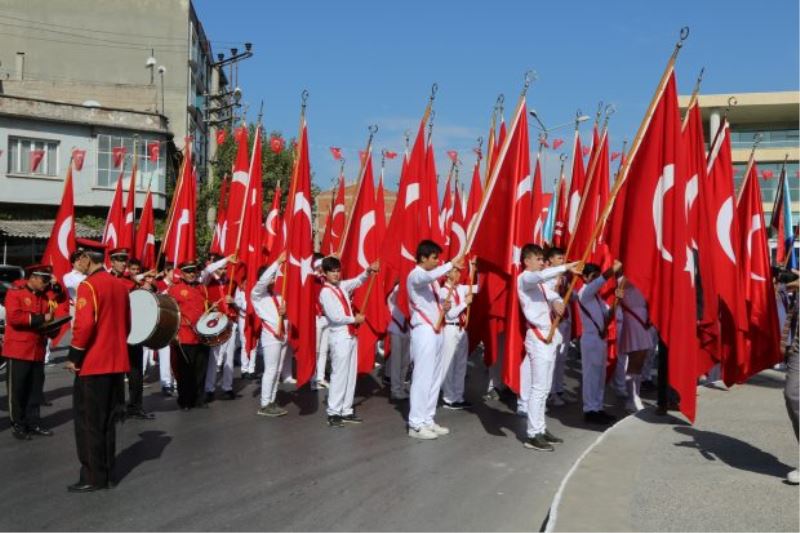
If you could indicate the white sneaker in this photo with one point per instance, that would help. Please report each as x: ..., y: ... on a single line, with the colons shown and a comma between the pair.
x: 290, y: 379
x: 422, y: 433
x: 793, y: 477
x: 323, y: 384
x: 439, y: 430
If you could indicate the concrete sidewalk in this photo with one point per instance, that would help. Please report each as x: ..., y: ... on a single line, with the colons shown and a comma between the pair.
x: 724, y: 473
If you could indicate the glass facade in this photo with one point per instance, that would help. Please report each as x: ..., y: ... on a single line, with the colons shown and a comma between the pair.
x: 107, y: 175
x: 769, y: 186
x: 771, y: 137
x: 19, y: 156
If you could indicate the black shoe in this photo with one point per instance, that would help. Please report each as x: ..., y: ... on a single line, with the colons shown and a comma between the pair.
x: 47, y: 404
x: 456, y: 406
x: 386, y: 381
x: 139, y: 414
x: 648, y: 386
x: 352, y: 419
x: 39, y: 430
x: 202, y: 405
x: 596, y: 417
x: 80, y: 486
x: 19, y: 432
x: 539, y: 443
x: 209, y: 397
x: 228, y: 395
x: 552, y: 439
x: 609, y: 417
x: 166, y: 392
x: 245, y: 375
x: 335, y: 421
x: 491, y: 395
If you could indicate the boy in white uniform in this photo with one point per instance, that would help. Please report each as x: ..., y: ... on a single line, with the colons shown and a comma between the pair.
x: 426, y: 339
x: 594, y: 345
x: 555, y: 257
x: 398, y: 331
x: 539, y: 306
x: 271, y: 309
x: 246, y: 358
x: 334, y: 297
x: 456, y: 342
x: 318, y: 381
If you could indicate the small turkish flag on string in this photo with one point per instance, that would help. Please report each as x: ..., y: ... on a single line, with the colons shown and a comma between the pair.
x: 544, y: 142
x: 586, y: 150
x: 118, y: 153
x: 221, y: 136
x: 276, y: 144
x: 36, y: 159
x: 389, y: 155
x: 767, y: 174
x: 336, y: 152
x: 453, y: 155
x: 78, y: 156
x: 615, y: 155
x: 557, y: 143
x: 153, y: 148
x: 361, y: 155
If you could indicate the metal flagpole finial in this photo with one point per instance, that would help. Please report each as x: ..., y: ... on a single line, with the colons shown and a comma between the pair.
x: 430, y: 123
x: 303, y: 100
x: 480, y: 148
x: 599, y: 112
x: 530, y: 77
x: 609, y: 110
x: 373, y: 129
x: 434, y: 90
x: 341, y: 167
x: 407, y: 138
x: 578, y: 116
x: 683, y: 36
x: 756, y: 141
x: 498, y: 104
x: 383, y: 158
x: 261, y: 111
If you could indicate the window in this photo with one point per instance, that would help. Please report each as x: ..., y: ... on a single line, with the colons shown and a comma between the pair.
x: 19, y: 156
x: 107, y: 175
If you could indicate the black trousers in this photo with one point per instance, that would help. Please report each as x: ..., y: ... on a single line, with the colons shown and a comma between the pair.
x: 135, y: 376
x: 25, y: 380
x: 97, y: 402
x: 192, y: 363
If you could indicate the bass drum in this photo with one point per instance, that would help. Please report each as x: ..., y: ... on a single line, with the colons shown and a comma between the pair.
x: 155, y: 319
x: 214, y: 328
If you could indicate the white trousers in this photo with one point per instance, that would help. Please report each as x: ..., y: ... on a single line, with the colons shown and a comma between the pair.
x: 620, y: 370
x: 322, y: 353
x: 524, y: 384
x: 565, y: 328
x: 344, y: 366
x: 286, y: 368
x: 221, y: 355
x: 398, y: 363
x: 274, y: 353
x: 426, y: 353
x: 165, y: 367
x: 248, y: 359
x: 455, y: 346
x: 593, y: 364
x: 542, y: 359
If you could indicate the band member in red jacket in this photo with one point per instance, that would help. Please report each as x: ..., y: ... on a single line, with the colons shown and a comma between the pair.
x: 27, y: 310
x: 98, y: 356
x: 191, y: 359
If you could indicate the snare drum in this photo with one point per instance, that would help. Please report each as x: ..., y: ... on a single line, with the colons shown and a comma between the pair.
x: 214, y: 328
x: 155, y: 319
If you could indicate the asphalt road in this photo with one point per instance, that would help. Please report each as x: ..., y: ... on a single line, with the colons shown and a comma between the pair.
x: 225, y: 468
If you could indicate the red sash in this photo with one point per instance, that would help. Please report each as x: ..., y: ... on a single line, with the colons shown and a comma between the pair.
x: 626, y: 309
x: 457, y: 301
x: 268, y: 327
x: 536, y: 331
x: 424, y: 317
x: 351, y: 328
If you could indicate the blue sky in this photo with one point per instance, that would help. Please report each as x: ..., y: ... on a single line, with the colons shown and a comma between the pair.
x: 374, y: 62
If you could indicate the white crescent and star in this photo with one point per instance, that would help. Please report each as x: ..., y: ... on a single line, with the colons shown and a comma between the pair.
x: 574, y: 204
x: 755, y: 225
x: 459, y: 232
x: 63, y: 236
x: 724, y: 220
x: 366, y: 224
x: 664, y: 184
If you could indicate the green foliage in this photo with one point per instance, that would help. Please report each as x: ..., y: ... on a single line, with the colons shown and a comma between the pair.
x: 92, y: 221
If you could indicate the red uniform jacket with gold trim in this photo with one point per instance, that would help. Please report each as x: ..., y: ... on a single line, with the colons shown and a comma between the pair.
x: 101, y: 326
x: 25, y: 310
x: 192, y: 300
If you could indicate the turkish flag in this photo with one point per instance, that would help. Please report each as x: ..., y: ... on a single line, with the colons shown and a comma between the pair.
x: 153, y: 150
x: 127, y: 236
x: 557, y: 143
x: 561, y: 215
x: 762, y: 342
x: 237, y: 192
x: 274, y: 227
x: 338, y: 219
x: 251, y: 251
x: 220, y: 236
x: 538, y: 206
x: 503, y: 226
x: 179, y: 238
x: 702, y: 236
x: 336, y: 152
x: 585, y: 151
x: 78, y: 157
x: 36, y: 158
x: 430, y: 200
x: 300, y: 303
x: 446, y: 216
x: 453, y: 155
x: 118, y: 155
x: 62, y: 237
x: 458, y: 229
x: 576, y: 186
x: 595, y: 187
x: 115, y: 221
x: 475, y: 194
x: 648, y: 232
x: 360, y: 249
x: 145, y: 250
x: 389, y: 155
x: 717, y: 216
x: 276, y: 144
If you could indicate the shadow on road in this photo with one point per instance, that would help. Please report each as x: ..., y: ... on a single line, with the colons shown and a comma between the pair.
x: 733, y: 452
x: 149, y: 447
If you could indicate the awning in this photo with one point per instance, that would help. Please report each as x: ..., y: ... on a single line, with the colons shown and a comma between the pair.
x: 40, y: 229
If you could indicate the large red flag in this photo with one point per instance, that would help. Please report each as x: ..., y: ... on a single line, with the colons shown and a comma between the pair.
x: 62, y: 237
x: 221, y: 226
x: 127, y: 237
x: 701, y: 237
x: 475, y: 194
x: 576, y: 186
x: 458, y: 229
x: 237, y: 191
x: 503, y: 226
x: 115, y: 221
x: 429, y: 196
x: 145, y: 249
x: 338, y: 219
x: 763, y: 334
x: 445, y: 215
x: 538, y: 205
x: 299, y: 292
x: 561, y: 214
x: 717, y: 206
x: 274, y: 227
x: 647, y: 231
x: 179, y: 239
x: 590, y: 206
x: 251, y: 251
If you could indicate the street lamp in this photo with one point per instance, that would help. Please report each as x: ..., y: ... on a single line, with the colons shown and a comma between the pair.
x: 578, y: 119
x: 161, y: 70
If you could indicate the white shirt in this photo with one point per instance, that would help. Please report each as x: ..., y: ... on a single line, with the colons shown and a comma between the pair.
x: 398, y: 325
x: 458, y: 301
x: 71, y: 281
x: 566, y: 320
x: 423, y: 290
x: 536, y: 298
x: 339, y: 317
x: 205, y: 275
x: 240, y: 302
x: 594, y: 309
x: 265, y: 304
